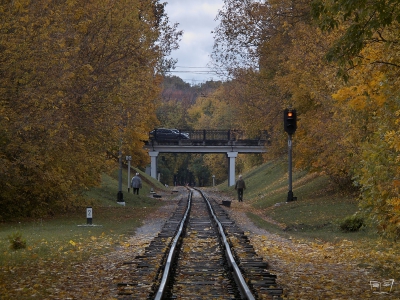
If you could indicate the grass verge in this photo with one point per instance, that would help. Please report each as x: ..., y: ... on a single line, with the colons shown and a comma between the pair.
x: 63, y: 243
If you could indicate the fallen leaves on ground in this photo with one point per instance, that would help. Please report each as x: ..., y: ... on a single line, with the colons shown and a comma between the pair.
x: 319, y: 270
x: 305, y: 270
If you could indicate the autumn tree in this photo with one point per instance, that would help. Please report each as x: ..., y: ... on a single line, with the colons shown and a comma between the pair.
x: 77, y: 79
x: 284, y: 68
x: 345, y: 130
x: 370, y: 102
x: 367, y: 55
x: 365, y: 23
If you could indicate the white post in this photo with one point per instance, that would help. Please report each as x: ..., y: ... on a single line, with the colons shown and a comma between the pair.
x: 232, y: 158
x: 153, y: 170
x: 89, y: 215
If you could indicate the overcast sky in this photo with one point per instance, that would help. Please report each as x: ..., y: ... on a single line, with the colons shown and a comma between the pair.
x: 196, y: 19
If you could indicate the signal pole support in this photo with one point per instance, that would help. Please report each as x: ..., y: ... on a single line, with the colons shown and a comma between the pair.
x: 290, y: 192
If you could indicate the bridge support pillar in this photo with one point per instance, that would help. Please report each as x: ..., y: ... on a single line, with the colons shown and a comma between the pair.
x: 153, y: 166
x: 232, y: 159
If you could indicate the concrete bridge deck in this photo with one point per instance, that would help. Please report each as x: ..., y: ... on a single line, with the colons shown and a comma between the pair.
x: 208, y: 146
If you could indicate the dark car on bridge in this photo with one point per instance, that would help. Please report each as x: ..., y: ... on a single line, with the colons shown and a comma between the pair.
x: 168, y: 134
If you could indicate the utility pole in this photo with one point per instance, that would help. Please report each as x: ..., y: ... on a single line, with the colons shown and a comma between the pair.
x: 122, y: 124
x: 120, y: 195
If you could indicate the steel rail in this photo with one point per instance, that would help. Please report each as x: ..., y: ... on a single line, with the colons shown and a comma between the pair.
x: 240, y: 281
x: 172, y: 252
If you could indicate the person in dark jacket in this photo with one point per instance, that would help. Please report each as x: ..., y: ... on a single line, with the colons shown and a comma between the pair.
x: 136, y: 184
x: 240, y: 186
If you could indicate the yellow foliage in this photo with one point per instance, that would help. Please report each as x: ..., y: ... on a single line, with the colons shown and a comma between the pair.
x: 345, y: 129
x: 65, y: 64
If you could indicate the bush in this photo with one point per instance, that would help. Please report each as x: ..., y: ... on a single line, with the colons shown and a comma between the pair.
x: 16, y: 241
x: 352, y: 223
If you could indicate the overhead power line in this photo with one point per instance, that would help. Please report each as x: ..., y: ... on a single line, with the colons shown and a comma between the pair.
x: 196, y: 72
x: 190, y: 67
x: 193, y: 70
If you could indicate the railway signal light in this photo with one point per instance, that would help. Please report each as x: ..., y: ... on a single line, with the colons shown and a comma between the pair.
x: 290, y: 126
x: 290, y: 120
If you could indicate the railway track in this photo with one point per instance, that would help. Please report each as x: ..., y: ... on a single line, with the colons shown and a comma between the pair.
x: 199, y: 254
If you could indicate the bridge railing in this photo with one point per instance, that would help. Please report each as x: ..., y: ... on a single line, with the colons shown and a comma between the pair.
x: 224, y: 135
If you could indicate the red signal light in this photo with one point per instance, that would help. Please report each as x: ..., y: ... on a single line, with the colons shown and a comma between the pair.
x: 289, y: 120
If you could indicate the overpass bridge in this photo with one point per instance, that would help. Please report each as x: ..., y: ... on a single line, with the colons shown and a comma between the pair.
x: 231, y: 142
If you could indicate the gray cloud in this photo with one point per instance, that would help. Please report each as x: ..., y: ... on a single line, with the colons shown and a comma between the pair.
x: 196, y: 19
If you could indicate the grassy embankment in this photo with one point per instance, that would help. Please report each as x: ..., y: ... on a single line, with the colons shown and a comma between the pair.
x: 316, y: 214
x: 315, y: 217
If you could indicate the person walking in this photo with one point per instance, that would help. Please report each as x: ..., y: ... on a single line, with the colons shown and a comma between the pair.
x: 136, y: 184
x: 240, y: 186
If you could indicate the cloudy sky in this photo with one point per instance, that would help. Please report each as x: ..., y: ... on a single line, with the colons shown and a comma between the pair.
x: 196, y: 19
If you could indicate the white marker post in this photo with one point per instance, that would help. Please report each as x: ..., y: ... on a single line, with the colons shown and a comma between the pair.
x: 89, y: 215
